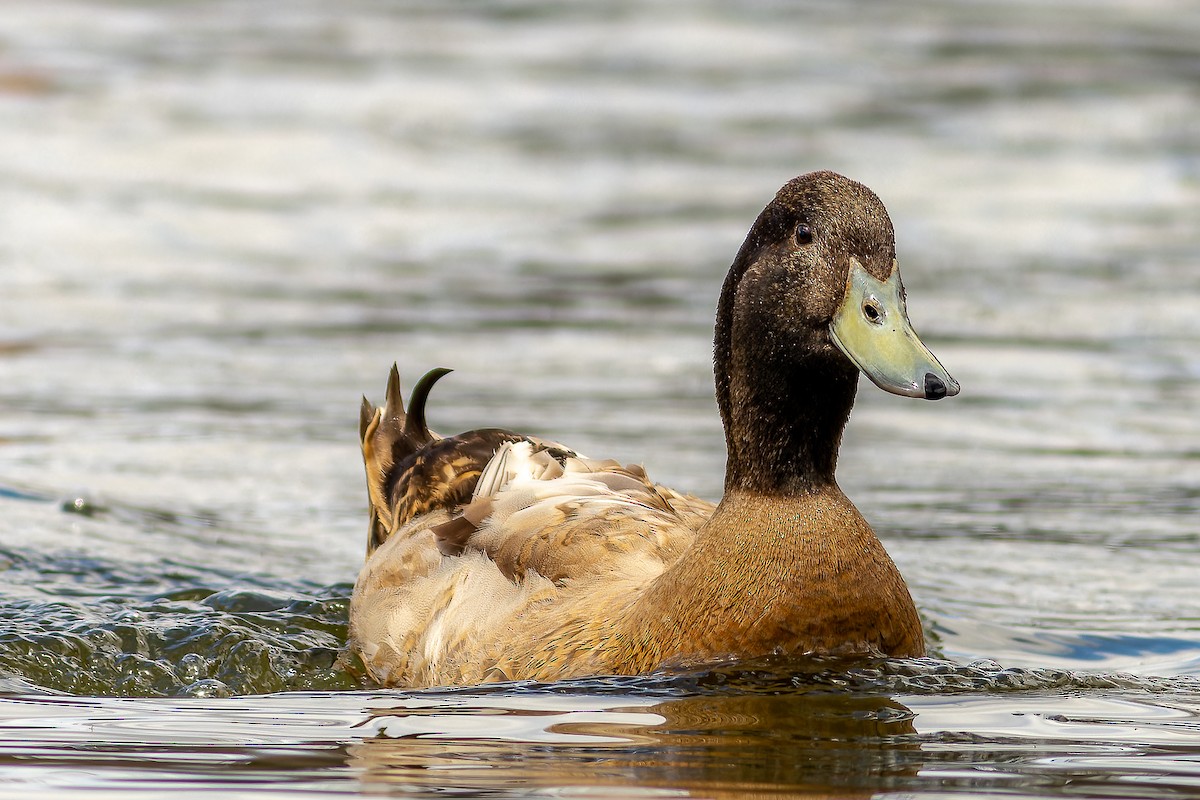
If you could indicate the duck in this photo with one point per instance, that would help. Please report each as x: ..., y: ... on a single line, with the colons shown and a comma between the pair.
x: 499, y: 556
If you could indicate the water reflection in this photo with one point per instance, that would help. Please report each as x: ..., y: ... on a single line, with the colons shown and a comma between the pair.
x: 756, y: 739
x: 717, y: 746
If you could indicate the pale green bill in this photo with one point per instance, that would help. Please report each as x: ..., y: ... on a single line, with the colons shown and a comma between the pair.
x: 871, y: 327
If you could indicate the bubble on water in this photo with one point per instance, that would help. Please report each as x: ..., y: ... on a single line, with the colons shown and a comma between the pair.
x: 206, y: 688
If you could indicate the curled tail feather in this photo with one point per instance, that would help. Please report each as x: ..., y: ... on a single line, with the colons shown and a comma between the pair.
x: 390, y: 437
x: 411, y: 471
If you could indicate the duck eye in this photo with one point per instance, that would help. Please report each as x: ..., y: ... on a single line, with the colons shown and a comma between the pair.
x: 873, y: 312
x: 804, y: 234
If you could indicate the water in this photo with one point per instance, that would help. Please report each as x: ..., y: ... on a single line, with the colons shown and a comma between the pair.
x: 222, y: 222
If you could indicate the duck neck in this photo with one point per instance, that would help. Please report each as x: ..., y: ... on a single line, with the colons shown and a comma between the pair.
x: 783, y: 406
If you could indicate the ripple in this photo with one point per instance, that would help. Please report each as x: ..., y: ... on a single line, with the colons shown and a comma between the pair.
x: 913, y: 677
x: 170, y: 632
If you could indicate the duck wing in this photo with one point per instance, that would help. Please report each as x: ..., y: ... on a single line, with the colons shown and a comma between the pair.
x: 570, y: 518
x: 522, y: 500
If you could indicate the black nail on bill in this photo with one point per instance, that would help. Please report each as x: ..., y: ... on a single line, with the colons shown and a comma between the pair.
x: 935, y: 389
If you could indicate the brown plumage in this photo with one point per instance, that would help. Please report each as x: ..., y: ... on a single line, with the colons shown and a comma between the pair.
x: 494, y: 555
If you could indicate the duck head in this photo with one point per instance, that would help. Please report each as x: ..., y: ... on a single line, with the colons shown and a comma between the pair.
x: 814, y: 296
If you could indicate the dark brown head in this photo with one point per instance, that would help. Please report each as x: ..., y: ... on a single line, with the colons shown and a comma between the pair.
x: 813, y: 297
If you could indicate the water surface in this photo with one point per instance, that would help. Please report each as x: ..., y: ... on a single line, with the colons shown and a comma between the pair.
x: 221, y: 223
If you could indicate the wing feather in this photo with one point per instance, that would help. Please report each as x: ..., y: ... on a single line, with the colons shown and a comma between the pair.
x: 576, y: 519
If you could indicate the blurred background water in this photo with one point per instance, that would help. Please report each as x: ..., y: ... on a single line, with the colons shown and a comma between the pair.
x: 220, y: 223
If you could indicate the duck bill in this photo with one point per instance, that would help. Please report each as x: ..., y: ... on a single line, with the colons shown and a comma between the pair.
x: 871, y: 328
